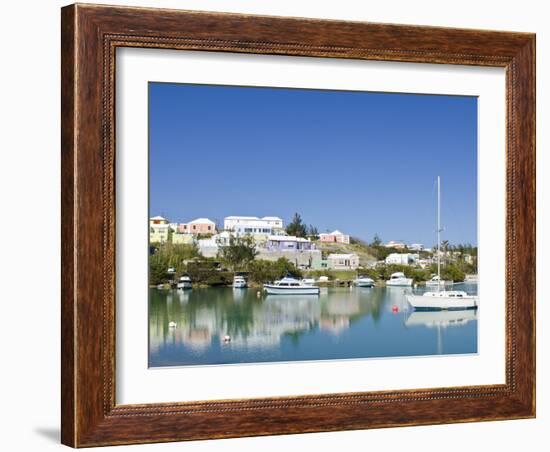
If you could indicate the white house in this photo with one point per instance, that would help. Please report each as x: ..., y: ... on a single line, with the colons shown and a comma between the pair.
x: 396, y: 245
x: 416, y: 246
x: 343, y: 261
x: 334, y: 237
x: 253, y: 225
x: 401, y: 258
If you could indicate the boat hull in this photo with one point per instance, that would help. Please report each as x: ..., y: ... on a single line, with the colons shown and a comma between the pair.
x: 239, y: 285
x: 400, y: 283
x: 423, y: 303
x: 276, y: 290
x: 184, y: 286
x: 364, y: 284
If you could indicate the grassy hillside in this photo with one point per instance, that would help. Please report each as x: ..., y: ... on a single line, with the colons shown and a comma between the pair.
x: 361, y: 250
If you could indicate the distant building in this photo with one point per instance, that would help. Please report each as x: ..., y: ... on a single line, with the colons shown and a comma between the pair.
x: 343, y: 261
x: 198, y: 226
x: 416, y: 247
x: 288, y: 243
x: 401, y: 258
x: 210, y: 247
x: 334, y: 237
x: 158, y: 229
x: 396, y: 245
x: 241, y: 225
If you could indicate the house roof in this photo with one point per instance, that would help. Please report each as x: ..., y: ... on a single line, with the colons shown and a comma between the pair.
x: 202, y: 221
x: 158, y: 217
x: 239, y: 217
x: 335, y: 232
x: 272, y: 218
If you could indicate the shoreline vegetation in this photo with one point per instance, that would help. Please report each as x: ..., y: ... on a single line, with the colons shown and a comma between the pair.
x: 168, y: 262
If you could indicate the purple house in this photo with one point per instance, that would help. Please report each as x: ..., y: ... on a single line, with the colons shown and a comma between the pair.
x: 288, y: 243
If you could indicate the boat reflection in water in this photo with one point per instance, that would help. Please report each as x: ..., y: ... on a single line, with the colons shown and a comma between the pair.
x: 441, y: 320
x: 226, y: 326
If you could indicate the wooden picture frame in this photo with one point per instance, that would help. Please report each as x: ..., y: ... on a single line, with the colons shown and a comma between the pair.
x: 90, y: 35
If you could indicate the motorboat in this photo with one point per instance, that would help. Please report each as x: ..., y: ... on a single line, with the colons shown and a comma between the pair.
x: 398, y: 279
x: 448, y: 300
x: 442, y: 299
x: 291, y: 286
x: 364, y: 281
x: 184, y: 283
x: 239, y: 282
x: 436, y: 281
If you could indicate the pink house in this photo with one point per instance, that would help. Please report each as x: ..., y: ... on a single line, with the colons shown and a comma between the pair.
x: 334, y: 237
x: 198, y: 226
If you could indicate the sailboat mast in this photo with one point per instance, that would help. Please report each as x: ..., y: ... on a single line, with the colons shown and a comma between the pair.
x: 439, y: 230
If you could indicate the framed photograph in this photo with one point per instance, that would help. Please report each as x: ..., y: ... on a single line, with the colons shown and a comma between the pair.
x: 281, y: 225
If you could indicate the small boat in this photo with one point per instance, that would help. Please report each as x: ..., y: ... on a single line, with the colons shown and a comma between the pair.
x: 436, y: 281
x: 239, y: 282
x: 184, y: 283
x: 398, y: 279
x: 364, y: 281
x: 290, y: 286
x: 443, y: 300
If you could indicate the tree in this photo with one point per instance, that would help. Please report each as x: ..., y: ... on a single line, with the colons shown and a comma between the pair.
x: 313, y: 233
x: 296, y: 227
x: 376, y: 241
x: 238, y: 253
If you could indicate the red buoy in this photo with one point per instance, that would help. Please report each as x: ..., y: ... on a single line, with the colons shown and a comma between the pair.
x: 394, y: 309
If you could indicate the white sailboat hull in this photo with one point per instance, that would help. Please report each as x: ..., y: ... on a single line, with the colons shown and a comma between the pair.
x: 276, y: 290
x: 401, y: 282
x: 442, y: 302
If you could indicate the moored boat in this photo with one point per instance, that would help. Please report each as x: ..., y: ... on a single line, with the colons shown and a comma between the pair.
x: 291, y: 286
x: 364, y: 281
x: 442, y: 300
x: 184, y: 283
x: 399, y: 279
x: 239, y: 282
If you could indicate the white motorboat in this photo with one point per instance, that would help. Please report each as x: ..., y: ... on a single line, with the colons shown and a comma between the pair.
x: 436, y: 281
x: 399, y: 279
x: 239, y: 282
x: 364, y: 281
x: 291, y: 286
x: 442, y: 299
x: 184, y: 283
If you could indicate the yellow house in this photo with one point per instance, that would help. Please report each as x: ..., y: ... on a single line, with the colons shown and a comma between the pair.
x: 158, y: 230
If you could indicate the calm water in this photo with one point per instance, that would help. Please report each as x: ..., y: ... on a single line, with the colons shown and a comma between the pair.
x: 338, y: 324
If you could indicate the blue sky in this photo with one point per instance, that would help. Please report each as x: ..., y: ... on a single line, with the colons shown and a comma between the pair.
x: 360, y: 162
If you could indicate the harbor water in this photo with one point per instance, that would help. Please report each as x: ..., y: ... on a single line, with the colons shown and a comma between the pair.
x: 230, y: 326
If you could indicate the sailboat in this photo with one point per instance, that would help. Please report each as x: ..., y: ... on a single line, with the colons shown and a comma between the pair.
x: 442, y: 299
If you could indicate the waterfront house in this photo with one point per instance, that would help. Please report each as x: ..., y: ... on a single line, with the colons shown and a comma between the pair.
x: 198, y: 226
x: 401, y: 258
x: 288, y: 243
x: 242, y: 225
x: 396, y: 245
x: 158, y: 229
x: 343, y: 261
x: 334, y: 237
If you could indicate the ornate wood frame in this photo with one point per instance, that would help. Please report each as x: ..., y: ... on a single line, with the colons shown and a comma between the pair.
x: 90, y: 35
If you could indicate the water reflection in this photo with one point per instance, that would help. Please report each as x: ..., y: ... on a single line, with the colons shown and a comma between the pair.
x: 225, y: 325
